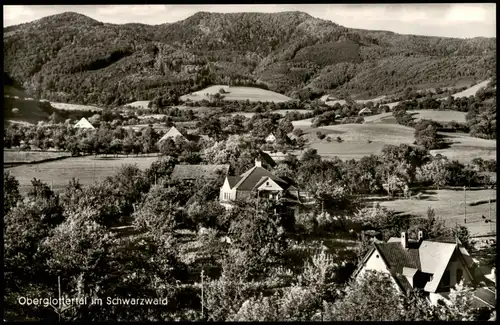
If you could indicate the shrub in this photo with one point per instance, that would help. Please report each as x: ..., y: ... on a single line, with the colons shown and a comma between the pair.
x: 320, y: 135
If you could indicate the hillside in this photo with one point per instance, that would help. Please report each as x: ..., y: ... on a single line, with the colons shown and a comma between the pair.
x: 75, y: 59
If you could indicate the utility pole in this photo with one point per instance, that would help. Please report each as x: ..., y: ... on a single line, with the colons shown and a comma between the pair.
x: 202, y: 300
x: 465, y: 206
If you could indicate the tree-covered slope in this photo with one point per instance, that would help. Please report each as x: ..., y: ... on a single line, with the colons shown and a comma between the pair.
x: 72, y: 58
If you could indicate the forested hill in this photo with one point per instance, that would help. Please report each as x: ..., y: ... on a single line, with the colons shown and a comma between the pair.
x: 72, y: 58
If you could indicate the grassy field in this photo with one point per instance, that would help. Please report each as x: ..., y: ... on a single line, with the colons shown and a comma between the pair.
x: 14, y: 156
x: 75, y: 107
x: 279, y: 111
x: 448, y: 205
x: 139, y: 104
x: 438, y: 116
x: 364, y: 139
x: 238, y: 93
x: 86, y: 169
x: 471, y: 91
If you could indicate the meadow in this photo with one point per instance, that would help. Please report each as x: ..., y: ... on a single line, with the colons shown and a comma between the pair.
x: 448, y: 204
x: 238, y: 93
x: 282, y: 112
x: 87, y: 169
x: 75, y: 107
x: 17, y: 157
x: 471, y: 91
x: 434, y: 115
x: 360, y: 140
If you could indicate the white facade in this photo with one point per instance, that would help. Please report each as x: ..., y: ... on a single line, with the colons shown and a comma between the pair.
x: 376, y: 263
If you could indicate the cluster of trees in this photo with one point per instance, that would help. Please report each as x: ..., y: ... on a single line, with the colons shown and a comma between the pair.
x: 426, y: 135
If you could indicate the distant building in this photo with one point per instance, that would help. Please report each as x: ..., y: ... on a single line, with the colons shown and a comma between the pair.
x: 365, y: 111
x: 172, y: 133
x: 434, y: 266
x: 271, y: 138
x: 84, y: 124
x: 262, y: 183
x: 197, y: 172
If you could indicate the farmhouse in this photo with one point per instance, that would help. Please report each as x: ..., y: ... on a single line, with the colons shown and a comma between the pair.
x: 172, y: 133
x: 434, y: 266
x: 258, y: 181
x: 271, y: 138
x: 365, y: 111
x: 84, y: 124
x: 197, y: 172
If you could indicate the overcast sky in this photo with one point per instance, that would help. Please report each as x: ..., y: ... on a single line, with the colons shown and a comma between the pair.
x: 450, y: 20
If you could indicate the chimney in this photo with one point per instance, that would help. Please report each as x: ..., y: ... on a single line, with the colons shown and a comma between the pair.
x: 258, y: 163
x: 420, y: 236
x: 404, y: 240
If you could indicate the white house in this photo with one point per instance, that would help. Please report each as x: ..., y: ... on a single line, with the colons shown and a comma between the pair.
x: 271, y: 138
x: 434, y: 266
x: 365, y: 111
x: 84, y: 124
x: 172, y: 133
x: 261, y: 182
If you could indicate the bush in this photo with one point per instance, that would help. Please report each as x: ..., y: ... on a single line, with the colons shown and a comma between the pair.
x: 320, y: 135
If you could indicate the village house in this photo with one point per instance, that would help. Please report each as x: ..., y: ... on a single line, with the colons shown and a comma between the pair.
x: 84, y: 124
x: 434, y: 266
x: 259, y: 182
x: 172, y: 133
x: 365, y: 111
x: 271, y: 138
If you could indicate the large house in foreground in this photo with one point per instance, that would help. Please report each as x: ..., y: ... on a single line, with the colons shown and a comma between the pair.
x: 434, y: 266
x: 258, y: 181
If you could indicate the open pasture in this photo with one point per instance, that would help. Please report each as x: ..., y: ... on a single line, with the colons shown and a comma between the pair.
x: 75, y: 107
x: 252, y: 94
x: 139, y: 104
x: 448, y: 204
x: 471, y: 91
x: 18, y: 157
x: 87, y: 169
x: 360, y: 140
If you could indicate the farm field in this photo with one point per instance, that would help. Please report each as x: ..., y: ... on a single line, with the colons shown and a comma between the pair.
x: 448, y: 205
x: 438, y: 116
x: 86, y: 169
x: 75, y: 107
x: 15, y: 156
x: 139, y: 104
x: 279, y: 111
x: 471, y: 91
x: 238, y: 93
x: 355, y: 143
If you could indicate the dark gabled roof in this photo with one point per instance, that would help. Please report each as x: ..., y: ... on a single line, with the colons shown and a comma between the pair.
x: 192, y: 172
x: 233, y: 180
x: 397, y: 257
x: 251, y: 177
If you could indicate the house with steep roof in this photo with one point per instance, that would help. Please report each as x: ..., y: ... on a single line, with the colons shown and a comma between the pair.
x: 84, y: 124
x: 197, y: 172
x: 365, y: 111
x: 260, y: 182
x: 433, y: 266
x: 172, y: 133
x: 271, y: 138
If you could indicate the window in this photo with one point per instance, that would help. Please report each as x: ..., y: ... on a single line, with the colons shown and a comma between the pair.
x: 460, y: 274
x: 267, y: 183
